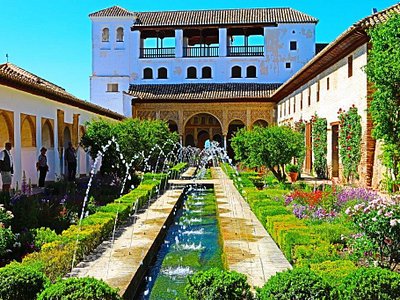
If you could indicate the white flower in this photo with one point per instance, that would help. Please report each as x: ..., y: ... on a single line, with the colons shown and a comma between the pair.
x: 374, y: 219
x: 393, y: 222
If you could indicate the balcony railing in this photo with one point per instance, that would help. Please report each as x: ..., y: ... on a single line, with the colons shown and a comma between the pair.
x: 245, y: 50
x: 200, y: 51
x: 157, y: 52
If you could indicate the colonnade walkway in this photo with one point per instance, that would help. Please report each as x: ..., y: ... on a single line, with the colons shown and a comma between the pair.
x: 248, y: 247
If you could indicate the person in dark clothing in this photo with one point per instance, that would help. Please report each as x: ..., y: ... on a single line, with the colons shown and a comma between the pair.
x: 6, y: 167
x: 70, y: 157
x: 42, y: 166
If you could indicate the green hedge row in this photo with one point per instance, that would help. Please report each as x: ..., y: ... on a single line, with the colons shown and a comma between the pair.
x: 303, y: 244
x: 55, y: 258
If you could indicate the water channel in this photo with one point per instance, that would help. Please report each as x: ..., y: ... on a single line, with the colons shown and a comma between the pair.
x: 191, y: 244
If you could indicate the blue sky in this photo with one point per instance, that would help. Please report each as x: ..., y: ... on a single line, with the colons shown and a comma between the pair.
x: 52, y: 38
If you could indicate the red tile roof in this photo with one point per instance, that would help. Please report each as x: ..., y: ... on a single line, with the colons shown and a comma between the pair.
x: 18, y: 78
x: 202, y: 91
x: 115, y: 11
x: 348, y: 41
x: 209, y: 17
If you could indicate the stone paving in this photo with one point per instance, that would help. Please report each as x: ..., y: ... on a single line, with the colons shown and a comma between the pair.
x: 248, y: 247
x: 123, y: 263
x: 189, y: 173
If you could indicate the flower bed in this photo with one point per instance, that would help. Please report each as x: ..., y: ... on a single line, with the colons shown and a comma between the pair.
x: 56, y: 255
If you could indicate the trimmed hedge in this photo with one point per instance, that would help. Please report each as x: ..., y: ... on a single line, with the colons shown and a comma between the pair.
x: 79, y: 289
x: 19, y: 282
x: 301, y: 284
x: 55, y: 258
x: 369, y: 284
x: 303, y: 243
x: 219, y: 285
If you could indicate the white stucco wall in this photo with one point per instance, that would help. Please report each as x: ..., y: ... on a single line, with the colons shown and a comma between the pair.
x: 20, y: 102
x: 343, y: 92
x: 120, y: 63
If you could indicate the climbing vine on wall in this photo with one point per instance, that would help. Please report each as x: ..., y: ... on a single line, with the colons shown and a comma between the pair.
x: 350, y: 142
x: 300, y: 126
x: 320, y: 148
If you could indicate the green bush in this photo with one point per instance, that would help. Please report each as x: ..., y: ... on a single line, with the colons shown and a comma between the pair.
x: 334, y: 271
x: 304, y: 255
x: 19, y: 282
x: 79, y: 289
x: 369, y: 284
x: 301, y: 284
x: 56, y: 256
x: 43, y: 235
x: 219, y: 285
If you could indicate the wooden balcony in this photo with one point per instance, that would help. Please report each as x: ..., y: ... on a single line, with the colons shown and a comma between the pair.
x: 200, y: 51
x: 245, y: 50
x: 157, y: 52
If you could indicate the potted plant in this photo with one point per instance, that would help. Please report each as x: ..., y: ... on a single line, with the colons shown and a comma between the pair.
x: 293, y: 172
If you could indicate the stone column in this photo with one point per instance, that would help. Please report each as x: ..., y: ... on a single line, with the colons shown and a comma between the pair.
x: 17, y: 150
x: 38, y: 135
x: 56, y: 166
x: 178, y: 43
x: 223, y: 42
x: 225, y: 142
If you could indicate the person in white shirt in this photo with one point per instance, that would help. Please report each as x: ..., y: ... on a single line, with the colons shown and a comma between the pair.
x: 6, y: 167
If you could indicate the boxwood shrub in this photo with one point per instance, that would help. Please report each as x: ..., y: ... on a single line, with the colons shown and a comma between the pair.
x: 79, y: 289
x: 21, y: 282
x: 217, y: 284
x: 369, y: 284
x: 301, y: 284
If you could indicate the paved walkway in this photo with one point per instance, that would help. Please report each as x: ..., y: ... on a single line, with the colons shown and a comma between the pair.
x: 124, y: 263
x: 248, y: 247
x: 189, y: 173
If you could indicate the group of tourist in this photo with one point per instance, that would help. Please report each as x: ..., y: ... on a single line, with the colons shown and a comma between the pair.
x: 7, y: 165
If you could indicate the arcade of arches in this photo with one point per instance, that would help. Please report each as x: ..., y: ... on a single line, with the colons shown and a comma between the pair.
x: 28, y: 133
x: 195, y: 123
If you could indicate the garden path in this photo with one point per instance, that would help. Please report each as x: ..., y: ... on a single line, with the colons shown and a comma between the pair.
x: 248, y: 247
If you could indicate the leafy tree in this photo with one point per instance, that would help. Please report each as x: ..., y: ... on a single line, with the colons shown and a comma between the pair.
x: 136, y: 140
x: 383, y: 70
x: 272, y: 147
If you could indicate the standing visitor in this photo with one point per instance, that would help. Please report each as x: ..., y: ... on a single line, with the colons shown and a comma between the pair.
x: 6, y: 167
x: 70, y: 157
x: 42, y: 166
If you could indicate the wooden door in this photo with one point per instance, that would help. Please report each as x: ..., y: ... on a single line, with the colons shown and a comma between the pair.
x: 335, y: 150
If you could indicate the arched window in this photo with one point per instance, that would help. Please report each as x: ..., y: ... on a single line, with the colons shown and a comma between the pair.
x: 236, y: 72
x: 191, y: 72
x: 105, y: 37
x: 251, y: 72
x: 162, y: 73
x: 206, y: 72
x: 120, y: 34
x: 147, y: 73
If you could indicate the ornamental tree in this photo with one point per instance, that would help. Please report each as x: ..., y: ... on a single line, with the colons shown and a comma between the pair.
x: 272, y: 147
x: 136, y: 139
x: 320, y: 147
x: 350, y: 142
x: 383, y: 70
